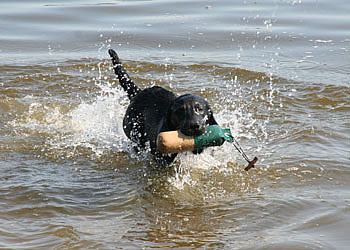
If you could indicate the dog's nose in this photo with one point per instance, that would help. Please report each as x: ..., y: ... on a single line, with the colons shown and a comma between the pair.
x: 195, y: 125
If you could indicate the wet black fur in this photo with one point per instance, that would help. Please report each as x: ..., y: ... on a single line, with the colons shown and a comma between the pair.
x: 155, y: 109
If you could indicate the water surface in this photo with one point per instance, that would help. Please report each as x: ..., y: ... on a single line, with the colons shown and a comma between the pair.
x: 276, y: 73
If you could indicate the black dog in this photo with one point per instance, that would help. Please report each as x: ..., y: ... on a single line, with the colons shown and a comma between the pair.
x: 154, y: 110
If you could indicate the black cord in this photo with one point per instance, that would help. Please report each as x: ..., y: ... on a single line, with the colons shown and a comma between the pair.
x: 240, y: 150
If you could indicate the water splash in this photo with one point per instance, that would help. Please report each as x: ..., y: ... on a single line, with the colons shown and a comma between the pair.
x: 91, y: 126
x: 219, y: 171
x: 95, y: 125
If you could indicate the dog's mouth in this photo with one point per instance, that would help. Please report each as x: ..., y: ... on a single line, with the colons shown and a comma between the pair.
x: 193, y: 131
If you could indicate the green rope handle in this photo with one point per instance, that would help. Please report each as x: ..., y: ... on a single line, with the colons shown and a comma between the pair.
x: 214, y: 136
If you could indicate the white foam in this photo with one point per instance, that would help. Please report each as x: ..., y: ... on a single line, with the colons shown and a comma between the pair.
x: 95, y: 125
x: 100, y: 121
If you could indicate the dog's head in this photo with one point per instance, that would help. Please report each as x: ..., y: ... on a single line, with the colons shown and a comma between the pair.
x: 191, y: 114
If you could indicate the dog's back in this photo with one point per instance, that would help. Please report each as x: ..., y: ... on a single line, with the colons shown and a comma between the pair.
x: 145, y: 114
x: 144, y: 118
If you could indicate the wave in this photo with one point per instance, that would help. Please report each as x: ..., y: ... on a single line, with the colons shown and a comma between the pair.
x: 75, y: 109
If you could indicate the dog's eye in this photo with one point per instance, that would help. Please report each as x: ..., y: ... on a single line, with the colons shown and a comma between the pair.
x: 199, y: 110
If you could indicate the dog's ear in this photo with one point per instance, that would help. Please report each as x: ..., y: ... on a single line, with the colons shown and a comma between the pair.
x: 169, y: 123
x: 211, y: 119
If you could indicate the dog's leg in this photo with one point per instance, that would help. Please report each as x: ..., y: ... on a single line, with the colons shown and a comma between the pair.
x: 125, y: 81
x: 163, y: 159
x: 197, y: 151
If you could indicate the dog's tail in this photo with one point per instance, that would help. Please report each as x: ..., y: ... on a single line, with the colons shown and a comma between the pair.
x: 125, y: 81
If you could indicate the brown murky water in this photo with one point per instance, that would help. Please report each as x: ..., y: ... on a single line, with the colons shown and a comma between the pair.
x: 277, y: 73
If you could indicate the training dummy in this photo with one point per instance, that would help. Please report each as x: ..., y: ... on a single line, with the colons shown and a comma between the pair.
x: 175, y: 142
